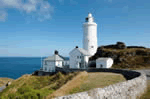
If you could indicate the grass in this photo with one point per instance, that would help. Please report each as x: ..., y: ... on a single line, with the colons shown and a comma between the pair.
x: 87, y: 81
x: 75, y: 82
x: 29, y: 86
x: 98, y: 80
x: 3, y: 81
x: 147, y: 94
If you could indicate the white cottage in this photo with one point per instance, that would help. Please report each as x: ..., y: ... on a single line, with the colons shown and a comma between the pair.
x: 50, y: 62
x: 104, y: 62
x: 79, y: 58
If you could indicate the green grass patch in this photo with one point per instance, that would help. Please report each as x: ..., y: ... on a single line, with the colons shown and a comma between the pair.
x: 98, y: 80
x: 35, y: 87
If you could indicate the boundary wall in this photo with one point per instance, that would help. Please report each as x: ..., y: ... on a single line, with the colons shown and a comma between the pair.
x: 134, y: 86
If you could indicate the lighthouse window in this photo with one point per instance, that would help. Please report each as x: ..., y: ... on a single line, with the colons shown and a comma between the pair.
x: 77, y: 56
x: 92, y: 46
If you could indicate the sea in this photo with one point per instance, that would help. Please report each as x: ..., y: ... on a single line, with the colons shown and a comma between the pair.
x: 15, y: 67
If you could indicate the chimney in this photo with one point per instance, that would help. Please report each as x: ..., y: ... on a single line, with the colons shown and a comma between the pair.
x: 76, y: 46
x: 56, y: 52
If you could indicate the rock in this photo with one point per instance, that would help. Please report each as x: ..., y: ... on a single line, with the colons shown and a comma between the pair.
x: 9, y: 83
x: 121, y: 45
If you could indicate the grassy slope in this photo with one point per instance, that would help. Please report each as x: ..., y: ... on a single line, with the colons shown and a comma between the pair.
x: 29, y: 86
x: 3, y: 81
x: 89, y: 81
x: 132, y: 62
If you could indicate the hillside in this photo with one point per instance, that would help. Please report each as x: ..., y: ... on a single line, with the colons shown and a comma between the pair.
x: 3, y: 81
x: 47, y: 87
x: 125, y: 56
x: 29, y: 86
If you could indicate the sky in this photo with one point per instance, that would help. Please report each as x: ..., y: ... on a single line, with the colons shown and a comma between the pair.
x: 34, y: 28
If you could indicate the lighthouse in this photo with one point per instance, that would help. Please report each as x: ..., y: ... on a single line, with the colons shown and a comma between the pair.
x: 90, y: 35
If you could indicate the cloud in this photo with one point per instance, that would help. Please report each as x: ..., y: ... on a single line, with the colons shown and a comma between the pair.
x: 40, y: 8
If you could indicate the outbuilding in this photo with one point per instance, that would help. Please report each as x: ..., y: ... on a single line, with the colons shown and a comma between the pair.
x: 50, y: 63
x: 104, y: 62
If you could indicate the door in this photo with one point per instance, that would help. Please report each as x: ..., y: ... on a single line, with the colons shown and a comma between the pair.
x: 80, y: 65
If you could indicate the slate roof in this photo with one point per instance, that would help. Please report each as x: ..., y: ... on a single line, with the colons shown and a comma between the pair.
x: 65, y: 58
x: 54, y: 58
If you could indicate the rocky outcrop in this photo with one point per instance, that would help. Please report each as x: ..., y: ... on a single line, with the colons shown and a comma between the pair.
x: 123, y: 56
x: 118, y: 45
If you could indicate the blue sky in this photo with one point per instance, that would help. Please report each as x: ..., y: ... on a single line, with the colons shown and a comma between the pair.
x: 38, y: 27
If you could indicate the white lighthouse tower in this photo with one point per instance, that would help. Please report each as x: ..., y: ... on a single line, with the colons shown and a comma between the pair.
x: 90, y: 35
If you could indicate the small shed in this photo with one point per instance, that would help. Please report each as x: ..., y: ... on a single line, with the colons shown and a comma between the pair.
x: 104, y: 62
x: 50, y: 62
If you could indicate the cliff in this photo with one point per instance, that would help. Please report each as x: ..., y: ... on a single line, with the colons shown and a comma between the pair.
x: 125, y: 56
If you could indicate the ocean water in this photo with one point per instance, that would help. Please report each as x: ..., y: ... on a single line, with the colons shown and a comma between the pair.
x: 14, y: 67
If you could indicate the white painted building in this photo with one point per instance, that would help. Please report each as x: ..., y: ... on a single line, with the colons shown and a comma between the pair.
x: 90, y: 35
x: 79, y: 58
x: 104, y: 62
x: 50, y: 63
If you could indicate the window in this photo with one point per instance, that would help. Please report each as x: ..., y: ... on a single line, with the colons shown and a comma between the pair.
x: 77, y: 56
x: 92, y: 46
x: 80, y: 57
x: 45, y: 63
x: 101, y: 66
x: 45, y: 69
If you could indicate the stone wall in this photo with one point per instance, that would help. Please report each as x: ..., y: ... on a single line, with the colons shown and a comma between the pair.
x: 133, y: 88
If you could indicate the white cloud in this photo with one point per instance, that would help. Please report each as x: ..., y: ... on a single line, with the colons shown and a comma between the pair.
x: 40, y: 8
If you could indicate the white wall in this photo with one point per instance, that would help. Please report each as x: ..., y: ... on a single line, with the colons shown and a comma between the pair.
x: 59, y: 63
x: 109, y: 63
x: 101, y: 62
x: 90, y: 37
x: 49, y: 66
x: 74, y: 61
x: 105, y: 63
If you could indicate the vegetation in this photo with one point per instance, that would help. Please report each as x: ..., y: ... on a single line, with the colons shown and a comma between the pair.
x: 35, y: 87
x: 131, y: 58
x: 98, y: 80
x: 86, y: 81
x: 3, y: 81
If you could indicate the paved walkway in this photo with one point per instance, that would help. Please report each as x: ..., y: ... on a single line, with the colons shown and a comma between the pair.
x: 146, y: 71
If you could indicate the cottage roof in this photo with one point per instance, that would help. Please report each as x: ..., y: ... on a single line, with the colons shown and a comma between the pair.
x: 54, y: 58
x: 65, y: 58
